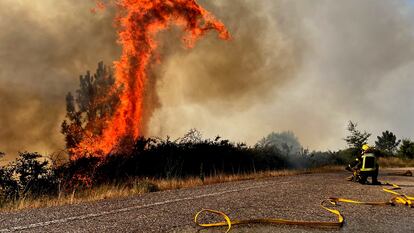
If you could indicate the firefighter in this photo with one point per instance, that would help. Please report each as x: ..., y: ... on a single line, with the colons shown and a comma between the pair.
x: 364, y: 166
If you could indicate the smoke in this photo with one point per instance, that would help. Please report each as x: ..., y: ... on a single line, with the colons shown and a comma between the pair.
x: 303, y: 66
x: 358, y: 69
x: 44, y: 47
x: 228, y: 77
x: 216, y: 81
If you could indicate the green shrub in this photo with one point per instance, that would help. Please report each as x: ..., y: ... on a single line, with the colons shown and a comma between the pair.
x: 406, y: 149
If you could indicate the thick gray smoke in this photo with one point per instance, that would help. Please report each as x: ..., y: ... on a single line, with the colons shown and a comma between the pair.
x: 44, y: 46
x: 304, y: 66
x: 212, y: 85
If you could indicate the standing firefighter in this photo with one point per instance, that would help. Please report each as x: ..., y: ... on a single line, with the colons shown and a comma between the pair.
x: 365, y: 166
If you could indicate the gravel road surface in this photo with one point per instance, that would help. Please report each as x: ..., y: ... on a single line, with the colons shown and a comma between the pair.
x: 291, y: 197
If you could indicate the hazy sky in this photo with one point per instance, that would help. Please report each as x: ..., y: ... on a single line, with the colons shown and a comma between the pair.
x: 305, y: 66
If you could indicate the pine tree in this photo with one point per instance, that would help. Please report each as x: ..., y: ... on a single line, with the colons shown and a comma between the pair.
x: 94, y: 102
x: 407, y: 148
x: 387, y: 142
x: 356, y: 138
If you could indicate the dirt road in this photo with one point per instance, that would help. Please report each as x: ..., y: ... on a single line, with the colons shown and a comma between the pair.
x: 292, y: 197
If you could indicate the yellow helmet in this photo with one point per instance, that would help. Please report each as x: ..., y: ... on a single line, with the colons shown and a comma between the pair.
x: 365, y: 147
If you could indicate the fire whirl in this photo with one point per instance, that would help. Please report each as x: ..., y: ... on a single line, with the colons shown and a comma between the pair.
x: 139, y: 22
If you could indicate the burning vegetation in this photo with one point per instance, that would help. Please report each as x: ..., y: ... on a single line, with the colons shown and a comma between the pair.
x: 139, y: 22
x: 153, y: 164
x: 105, y: 124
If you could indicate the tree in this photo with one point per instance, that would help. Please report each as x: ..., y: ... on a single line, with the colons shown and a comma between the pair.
x: 387, y: 143
x: 407, y: 148
x: 94, y: 102
x: 286, y: 143
x: 356, y: 138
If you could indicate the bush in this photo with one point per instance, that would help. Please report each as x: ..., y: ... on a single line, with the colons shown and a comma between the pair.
x: 167, y: 159
x: 343, y: 157
x: 27, y: 176
x: 406, y: 149
x: 9, y: 187
x: 190, y: 156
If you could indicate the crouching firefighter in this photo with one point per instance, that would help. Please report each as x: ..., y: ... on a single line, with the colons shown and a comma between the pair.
x: 365, y: 166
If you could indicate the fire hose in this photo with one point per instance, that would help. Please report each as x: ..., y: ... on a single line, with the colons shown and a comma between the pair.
x: 397, y: 199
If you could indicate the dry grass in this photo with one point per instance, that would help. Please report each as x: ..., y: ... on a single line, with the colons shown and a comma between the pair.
x: 79, y: 196
x: 395, y: 162
x: 140, y: 186
x: 196, y: 181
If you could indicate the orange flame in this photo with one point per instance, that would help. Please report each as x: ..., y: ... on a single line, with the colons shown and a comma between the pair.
x: 139, y: 22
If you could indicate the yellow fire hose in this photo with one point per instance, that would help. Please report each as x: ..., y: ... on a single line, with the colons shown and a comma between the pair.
x: 398, y: 198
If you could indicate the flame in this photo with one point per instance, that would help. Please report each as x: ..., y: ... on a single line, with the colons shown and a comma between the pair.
x: 139, y: 22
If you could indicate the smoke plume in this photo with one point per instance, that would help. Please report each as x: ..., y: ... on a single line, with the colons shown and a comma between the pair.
x: 304, y: 66
x: 44, y: 47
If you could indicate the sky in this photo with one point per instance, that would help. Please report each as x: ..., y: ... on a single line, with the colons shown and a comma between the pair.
x: 304, y: 66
